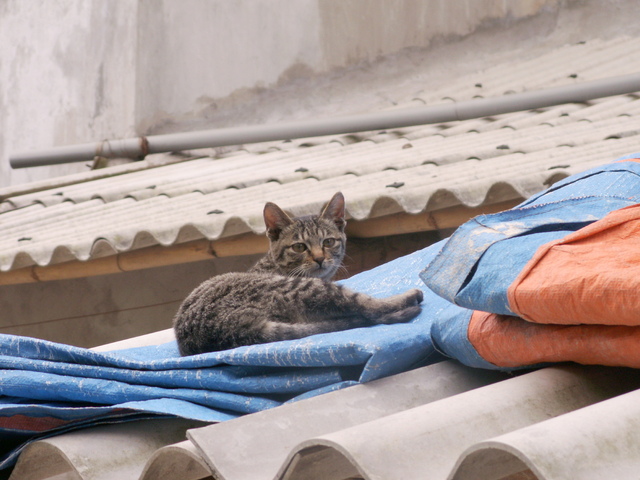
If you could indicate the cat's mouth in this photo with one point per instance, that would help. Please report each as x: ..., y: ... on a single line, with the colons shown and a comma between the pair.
x: 324, y: 271
x: 318, y: 271
x: 321, y: 271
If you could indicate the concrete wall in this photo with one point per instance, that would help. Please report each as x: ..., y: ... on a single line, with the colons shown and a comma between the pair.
x: 67, y: 75
x: 202, y: 56
x: 78, y: 71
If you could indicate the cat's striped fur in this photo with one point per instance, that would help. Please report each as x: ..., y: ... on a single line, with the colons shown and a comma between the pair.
x: 287, y: 294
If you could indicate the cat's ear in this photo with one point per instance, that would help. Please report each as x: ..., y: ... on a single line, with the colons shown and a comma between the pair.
x: 334, y: 210
x: 275, y: 220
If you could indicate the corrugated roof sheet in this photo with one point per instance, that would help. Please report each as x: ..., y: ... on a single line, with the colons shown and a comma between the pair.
x: 418, y: 169
x: 440, y: 421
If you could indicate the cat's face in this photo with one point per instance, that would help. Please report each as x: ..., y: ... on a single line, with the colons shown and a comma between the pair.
x: 309, y: 247
x: 312, y: 246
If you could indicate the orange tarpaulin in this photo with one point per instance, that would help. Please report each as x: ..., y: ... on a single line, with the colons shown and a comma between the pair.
x: 507, y: 341
x: 591, y: 276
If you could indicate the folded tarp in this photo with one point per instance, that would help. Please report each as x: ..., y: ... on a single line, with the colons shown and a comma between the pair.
x: 554, y: 279
x: 48, y: 388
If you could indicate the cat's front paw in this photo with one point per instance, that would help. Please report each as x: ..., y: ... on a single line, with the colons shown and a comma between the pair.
x: 413, y: 297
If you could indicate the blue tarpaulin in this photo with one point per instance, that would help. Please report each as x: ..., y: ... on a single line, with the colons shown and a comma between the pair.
x: 49, y: 388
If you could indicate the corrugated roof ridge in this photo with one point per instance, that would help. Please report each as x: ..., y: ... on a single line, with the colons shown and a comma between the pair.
x: 87, y: 186
x: 590, y: 430
x: 543, y: 71
x: 446, y: 428
x: 139, y: 229
x: 247, y: 163
x: 259, y: 457
x: 150, y: 162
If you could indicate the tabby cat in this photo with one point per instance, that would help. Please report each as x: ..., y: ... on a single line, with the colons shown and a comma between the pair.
x: 287, y: 294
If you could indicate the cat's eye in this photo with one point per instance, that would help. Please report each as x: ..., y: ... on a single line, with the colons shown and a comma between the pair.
x: 329, y: 242
x: 298, y: 247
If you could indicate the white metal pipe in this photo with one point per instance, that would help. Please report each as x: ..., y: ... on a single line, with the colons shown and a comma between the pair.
x: 138, y: 148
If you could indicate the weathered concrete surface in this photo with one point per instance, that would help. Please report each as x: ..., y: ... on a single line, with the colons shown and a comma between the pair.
x: 66, y: 74
x: 77, y: 71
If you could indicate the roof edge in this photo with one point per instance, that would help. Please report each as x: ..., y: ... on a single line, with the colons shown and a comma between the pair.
x: 237, y: 245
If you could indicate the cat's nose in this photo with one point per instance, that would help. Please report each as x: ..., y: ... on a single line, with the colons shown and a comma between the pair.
x: 318, y: 260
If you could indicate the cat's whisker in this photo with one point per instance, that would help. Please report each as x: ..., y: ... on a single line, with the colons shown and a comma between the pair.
x: 298, y: 271
x: 342, y: 269
x: 347, y: 258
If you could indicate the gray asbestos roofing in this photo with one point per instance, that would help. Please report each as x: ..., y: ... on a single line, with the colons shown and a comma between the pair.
x: 436, y: 422
x: 417, y: 169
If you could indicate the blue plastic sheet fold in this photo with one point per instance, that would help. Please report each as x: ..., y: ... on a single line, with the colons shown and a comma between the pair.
x: 485, y: 255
